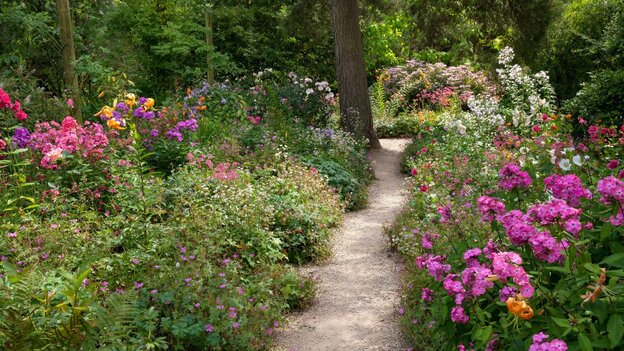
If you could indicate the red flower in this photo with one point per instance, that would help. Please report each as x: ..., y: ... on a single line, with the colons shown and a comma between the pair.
x: 613, y: 164
x: 536, y: 129
x: 414, y: 172
x: 5, y: 99
x: 424, y: 188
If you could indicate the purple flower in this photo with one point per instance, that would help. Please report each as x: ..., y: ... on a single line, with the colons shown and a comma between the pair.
x: 122, y: 107
x: 510, y: 176
x: 21, y: 137
x: 458, y: 315
x: 208, y: 328
x: 235, y: 325
x: 471, y: 257
x: 490, y: 207
x: 568, y: 188
x: 540, y: 343
x: 427, y: 295
x: 507, y: 292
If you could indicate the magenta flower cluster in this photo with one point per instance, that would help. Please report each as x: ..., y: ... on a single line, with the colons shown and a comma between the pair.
x: 568, y: 188
x: 490, y: 207
x: 458, y: 315
x: 557, y: 212
x: 507, y: 265
x: 53, y: 139
x: 435, y: 264
x: 611, y: 190
x: 540, y: 343
x: 511, y: 176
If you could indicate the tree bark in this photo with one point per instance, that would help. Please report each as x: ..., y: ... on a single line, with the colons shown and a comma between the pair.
x: 355, y: 108
x: 69, y: 55
x: 210, y: 44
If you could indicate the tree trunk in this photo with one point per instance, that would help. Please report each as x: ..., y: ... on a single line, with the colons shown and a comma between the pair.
x: 210, y: 44
x: 69, y: 55
x: 355, y: 108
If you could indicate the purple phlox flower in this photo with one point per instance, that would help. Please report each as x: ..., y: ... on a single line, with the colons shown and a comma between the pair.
x: 458, y: 315
x: 511, y: 176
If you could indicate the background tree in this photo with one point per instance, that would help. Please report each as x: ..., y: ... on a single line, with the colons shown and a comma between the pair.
x: 355, y: 109
x: 69, y: 55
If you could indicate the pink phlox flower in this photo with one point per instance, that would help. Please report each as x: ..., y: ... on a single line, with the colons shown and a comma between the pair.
x: 458, y: 315
x: 517, y: 226
x: 511, y: 176
x: 540, y: 343
x: 568, y: 188
x: 490, y: 207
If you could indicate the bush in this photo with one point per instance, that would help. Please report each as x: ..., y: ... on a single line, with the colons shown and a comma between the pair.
x: 601, y: 98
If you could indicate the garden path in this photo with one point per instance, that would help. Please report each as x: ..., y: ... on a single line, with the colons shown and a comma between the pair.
x: 358, y: 296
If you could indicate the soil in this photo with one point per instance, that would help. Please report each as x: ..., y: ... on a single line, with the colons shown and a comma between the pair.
x: 357, y: 303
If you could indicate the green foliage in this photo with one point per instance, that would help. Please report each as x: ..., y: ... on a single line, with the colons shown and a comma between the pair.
x: 586, y: 38
x: 600, y: 98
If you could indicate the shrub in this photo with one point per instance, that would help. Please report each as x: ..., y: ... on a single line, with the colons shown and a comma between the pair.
x: 600, y: 98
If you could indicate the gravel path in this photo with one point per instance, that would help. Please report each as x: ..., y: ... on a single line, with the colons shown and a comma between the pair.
x: 358, y: 297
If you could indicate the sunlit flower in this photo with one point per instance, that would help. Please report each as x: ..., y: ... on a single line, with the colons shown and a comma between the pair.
x: 113, y: 123
x: 130, y: 99
x: 148, y: 104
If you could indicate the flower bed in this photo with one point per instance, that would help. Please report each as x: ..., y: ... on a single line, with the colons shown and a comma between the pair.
x: 168, y: 227
x: 513, y: 236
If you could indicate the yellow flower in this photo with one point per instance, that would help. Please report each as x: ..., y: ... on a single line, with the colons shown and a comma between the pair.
x: 130, y: 99
x: 148, y: 104
x: 114, y: 124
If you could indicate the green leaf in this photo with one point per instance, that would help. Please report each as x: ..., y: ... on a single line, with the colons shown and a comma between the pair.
x: 615, y: 327
x: 585, y: 343
x: 562, y: 322
x: 616, y: 260
x: 599, y: 309
x: 558, y: 269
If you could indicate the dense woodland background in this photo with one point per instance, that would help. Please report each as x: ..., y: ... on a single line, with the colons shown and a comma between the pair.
x: 160, y: 45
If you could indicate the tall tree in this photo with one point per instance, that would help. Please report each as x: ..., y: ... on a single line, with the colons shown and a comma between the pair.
x: 355, y: 108
x: 69, y: 55
x: 210, y: 45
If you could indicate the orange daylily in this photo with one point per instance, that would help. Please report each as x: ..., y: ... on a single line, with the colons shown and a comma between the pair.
x: 595, y: 290
x: 148, y: 104
x: 107, y: 111
x: 114, y: 124
x: 519, y: 308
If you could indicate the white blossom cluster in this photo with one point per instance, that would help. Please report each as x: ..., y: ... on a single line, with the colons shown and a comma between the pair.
x: 530, y: 95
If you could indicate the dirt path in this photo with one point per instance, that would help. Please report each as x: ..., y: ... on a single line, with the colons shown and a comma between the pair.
x: 358, y: 298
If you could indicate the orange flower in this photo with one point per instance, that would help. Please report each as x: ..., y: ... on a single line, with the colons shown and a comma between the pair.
x: 519, y: 308
x: 106, y: 111
x: 594, y: 291
x: 526, y: 313
x: 148, y: 104
x: 114, y: 124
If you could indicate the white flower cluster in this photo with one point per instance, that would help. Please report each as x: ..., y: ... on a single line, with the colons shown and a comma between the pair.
x: 530, y: 95
x: 482, y: 119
